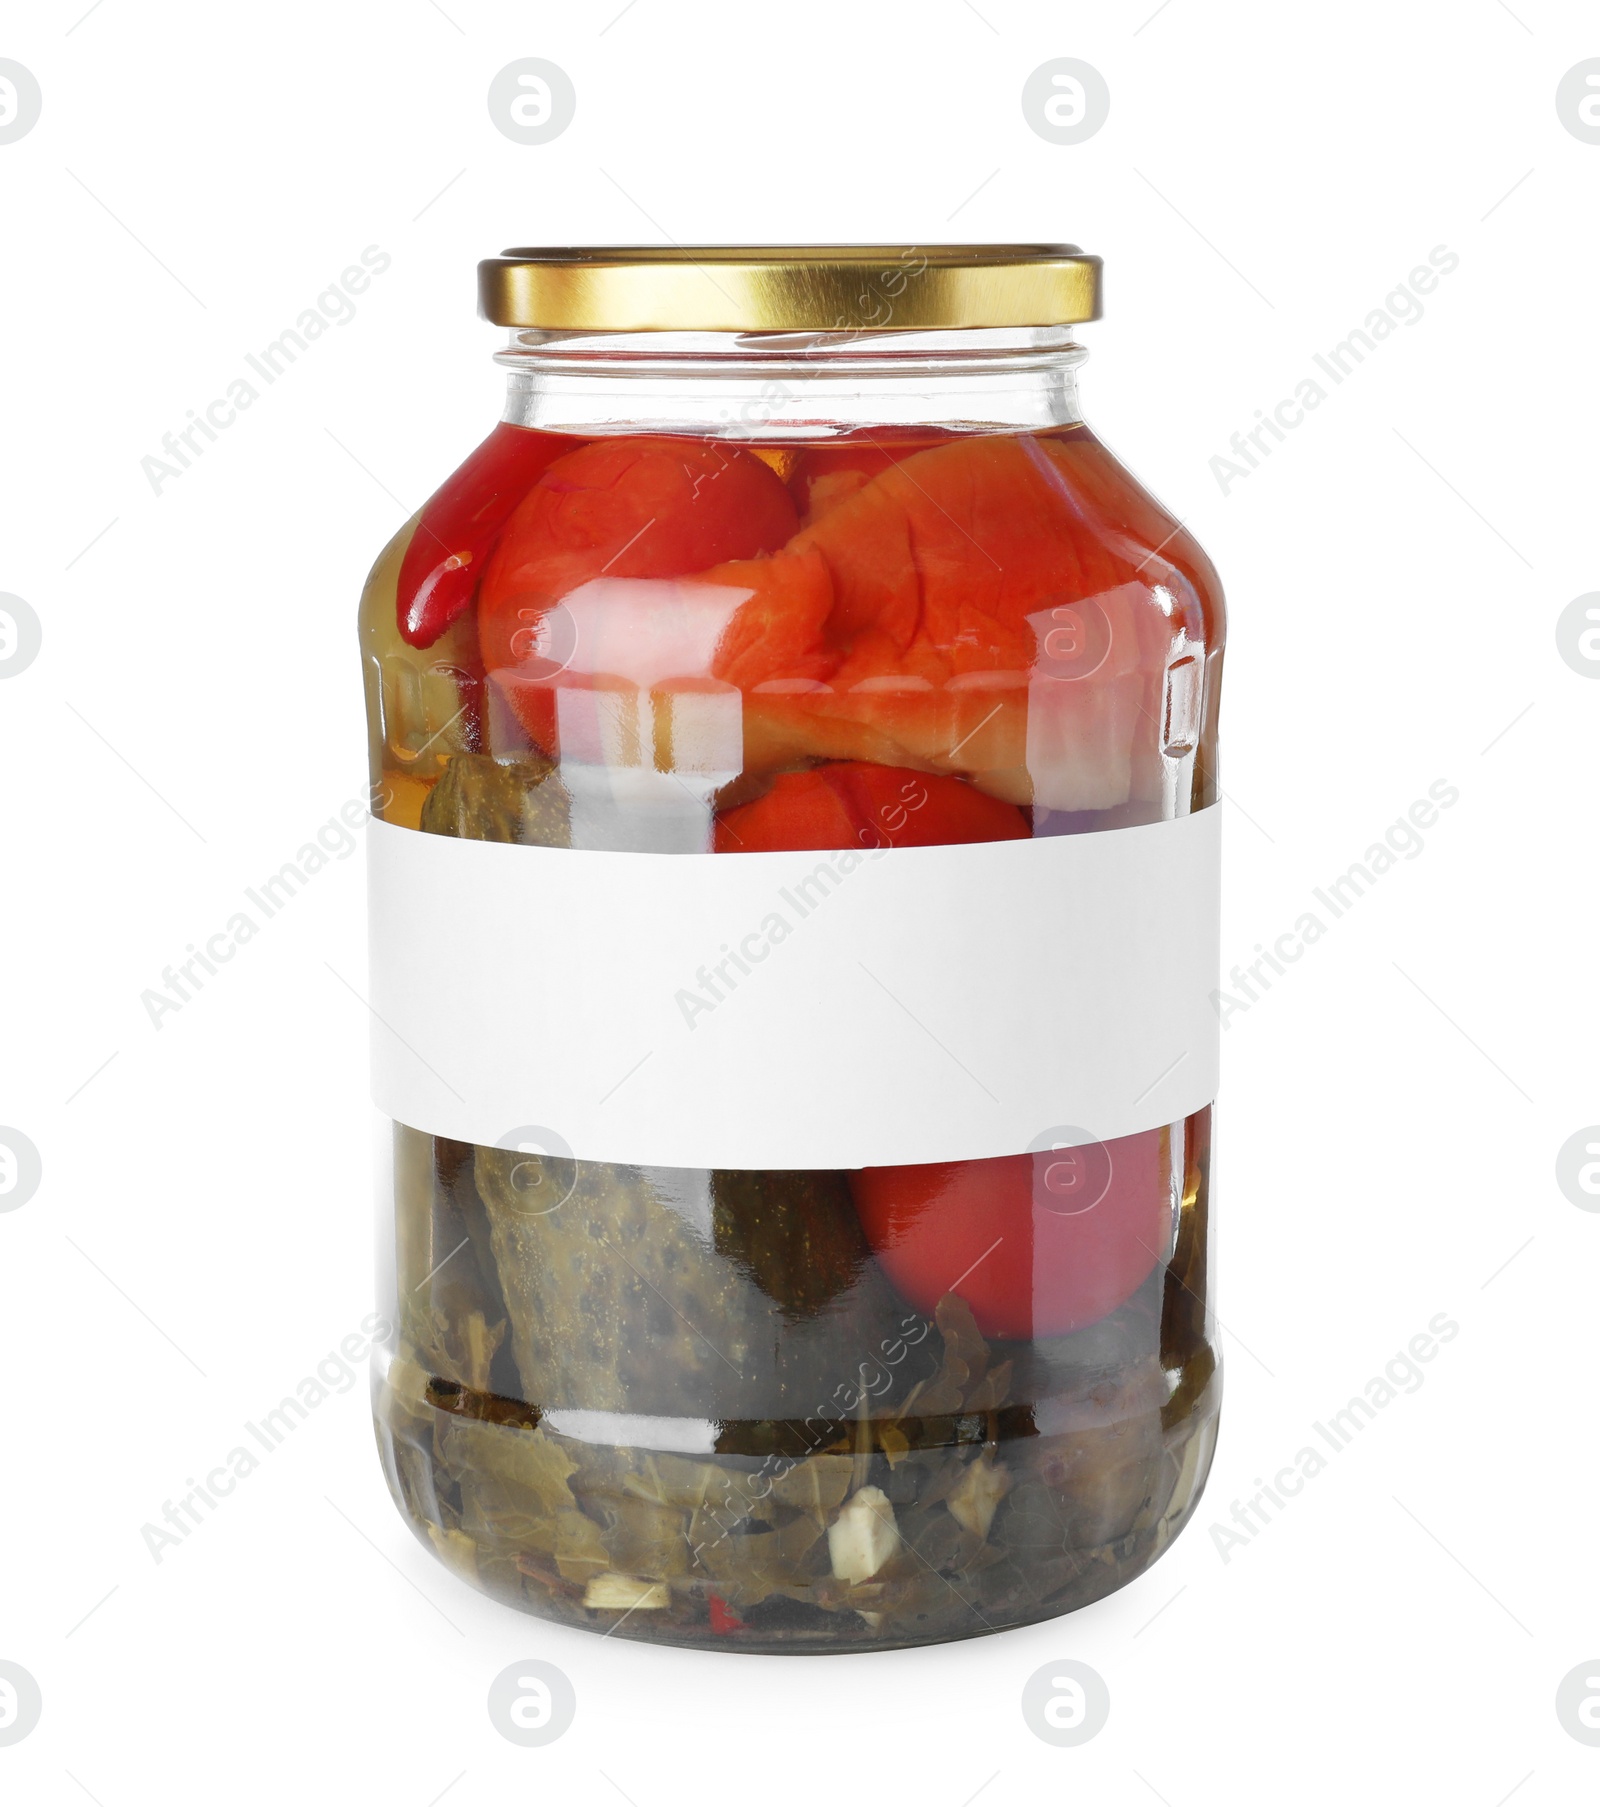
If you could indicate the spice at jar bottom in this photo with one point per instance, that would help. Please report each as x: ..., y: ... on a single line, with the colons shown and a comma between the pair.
x: 794, y: 923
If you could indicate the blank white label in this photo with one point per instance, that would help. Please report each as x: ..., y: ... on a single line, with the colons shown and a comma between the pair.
x: 788, y: 1010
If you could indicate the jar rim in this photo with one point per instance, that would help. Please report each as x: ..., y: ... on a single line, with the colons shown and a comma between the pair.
x: 789, y: 288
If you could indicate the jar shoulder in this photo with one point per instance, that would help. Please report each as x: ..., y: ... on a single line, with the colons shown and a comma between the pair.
x: 1164, y: 549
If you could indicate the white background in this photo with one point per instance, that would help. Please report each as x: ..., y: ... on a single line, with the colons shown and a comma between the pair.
x: 1391, y: 1111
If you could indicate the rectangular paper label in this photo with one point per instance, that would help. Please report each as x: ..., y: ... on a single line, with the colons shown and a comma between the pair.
x: 796, y: 1010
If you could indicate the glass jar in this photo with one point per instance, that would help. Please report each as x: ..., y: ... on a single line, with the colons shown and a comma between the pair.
x: 794, y: 923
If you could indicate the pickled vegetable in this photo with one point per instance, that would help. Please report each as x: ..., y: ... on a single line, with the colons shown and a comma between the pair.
x: 458, y: 529
x: 1045, y: 1243
x: 483, y: 799
x: 847, y: 804
x: 632, y: 1290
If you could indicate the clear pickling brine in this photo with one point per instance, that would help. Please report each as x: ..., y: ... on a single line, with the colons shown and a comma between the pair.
x: 794, y: 915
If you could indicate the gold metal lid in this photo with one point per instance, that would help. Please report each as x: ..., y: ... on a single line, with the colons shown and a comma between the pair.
x: 789, y: 288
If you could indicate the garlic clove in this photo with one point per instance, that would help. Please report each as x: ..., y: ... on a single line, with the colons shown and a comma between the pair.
x: 973, y: 1500
x: 864, y: 1536
x: 625, y: 1593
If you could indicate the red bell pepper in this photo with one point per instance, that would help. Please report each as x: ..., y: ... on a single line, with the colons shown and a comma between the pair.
x: 852, y: 804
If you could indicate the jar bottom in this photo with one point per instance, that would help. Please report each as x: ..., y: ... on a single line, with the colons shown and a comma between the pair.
x: 991, y: 1528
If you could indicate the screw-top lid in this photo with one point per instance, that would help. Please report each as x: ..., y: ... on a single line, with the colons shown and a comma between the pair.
x: 789, y: 288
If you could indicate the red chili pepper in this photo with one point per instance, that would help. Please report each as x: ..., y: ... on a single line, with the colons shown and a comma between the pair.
x: 460, y: 523
x: 723, y: 1618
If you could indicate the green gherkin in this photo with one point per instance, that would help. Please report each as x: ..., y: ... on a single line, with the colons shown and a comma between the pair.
x: 795, y: 1235
x: 482, y: 799
x: 673, y: 1291
x: 450, y: 1310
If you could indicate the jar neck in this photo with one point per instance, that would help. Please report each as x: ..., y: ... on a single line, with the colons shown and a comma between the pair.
x: 788, y: 386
